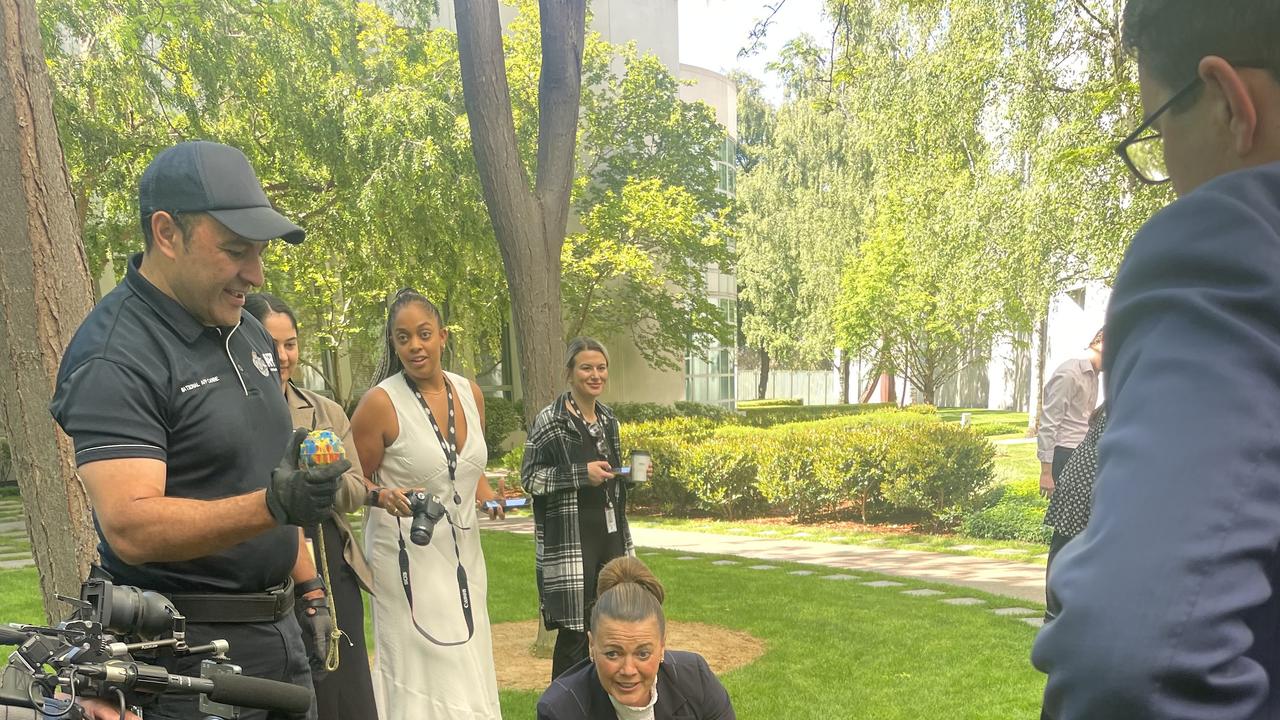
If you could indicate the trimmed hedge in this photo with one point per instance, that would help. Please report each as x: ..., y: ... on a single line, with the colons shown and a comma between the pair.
x: 881, y: 461
x: 770, y: 416
x: 632, y: 412
x: 770, y: 402
x: 1011, y: 512
x: 990, y: 429
x: 501, y: 418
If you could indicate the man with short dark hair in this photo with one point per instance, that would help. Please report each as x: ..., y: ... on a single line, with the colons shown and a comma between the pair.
x: 171, y: 395
x: 1169, y: 603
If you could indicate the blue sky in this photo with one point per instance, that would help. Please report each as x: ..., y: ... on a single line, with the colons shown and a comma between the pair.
x: 732, y: 21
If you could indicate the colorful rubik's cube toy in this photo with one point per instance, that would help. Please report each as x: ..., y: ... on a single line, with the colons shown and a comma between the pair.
x: 320, y: 447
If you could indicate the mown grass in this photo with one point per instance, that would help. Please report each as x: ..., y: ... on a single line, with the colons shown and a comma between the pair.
x: 834, y: 649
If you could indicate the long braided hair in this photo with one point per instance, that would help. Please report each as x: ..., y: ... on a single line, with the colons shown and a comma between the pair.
x: 390, y: 363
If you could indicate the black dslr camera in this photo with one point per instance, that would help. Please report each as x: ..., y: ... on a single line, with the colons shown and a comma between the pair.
x: 90, y: 654
x: 427, y: 511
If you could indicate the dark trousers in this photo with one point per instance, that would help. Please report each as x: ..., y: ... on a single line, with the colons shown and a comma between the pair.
x: 345, y: 693
x: 1051, y: 606
x: 599, y: 546
x: 571, y: 649
x: 1061, y: 455
x: 267, y: 650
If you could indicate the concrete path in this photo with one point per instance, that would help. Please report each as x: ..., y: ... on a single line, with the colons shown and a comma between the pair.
x: 1015, y: 580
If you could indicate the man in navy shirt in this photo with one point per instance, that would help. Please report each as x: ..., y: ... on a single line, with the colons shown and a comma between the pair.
x: 1169, y: 602
x: 172, y: 398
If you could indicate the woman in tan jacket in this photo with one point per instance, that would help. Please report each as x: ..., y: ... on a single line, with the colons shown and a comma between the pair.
x: 344, y: 691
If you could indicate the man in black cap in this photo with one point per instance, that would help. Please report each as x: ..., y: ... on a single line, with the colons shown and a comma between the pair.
x: 171, y: 395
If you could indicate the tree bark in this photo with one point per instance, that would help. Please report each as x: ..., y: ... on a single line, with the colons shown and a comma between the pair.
x: 529, y: 222
x: 45, y: 291
x: 846, y: 362
x: 762, y: 387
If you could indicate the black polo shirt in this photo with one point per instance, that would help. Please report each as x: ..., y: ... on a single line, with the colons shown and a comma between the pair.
x: 143, y: 378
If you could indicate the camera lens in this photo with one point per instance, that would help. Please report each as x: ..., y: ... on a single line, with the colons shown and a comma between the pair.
x: 137, y: 612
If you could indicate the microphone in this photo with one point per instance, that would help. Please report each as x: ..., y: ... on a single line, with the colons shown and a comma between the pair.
x: 10, y: 635
x: 238, y: 690
x: 252, y: 692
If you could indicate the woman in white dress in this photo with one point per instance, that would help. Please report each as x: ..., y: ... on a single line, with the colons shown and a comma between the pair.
x: 421, y: 429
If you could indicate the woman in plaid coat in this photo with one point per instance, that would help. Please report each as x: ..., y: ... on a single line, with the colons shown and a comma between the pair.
x: 579, y: 502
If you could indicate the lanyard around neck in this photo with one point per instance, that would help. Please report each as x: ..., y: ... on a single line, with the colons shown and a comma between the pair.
x: 448, y: 446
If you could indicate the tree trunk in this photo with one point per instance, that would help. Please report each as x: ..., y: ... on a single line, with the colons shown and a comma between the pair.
x: 529, y: 223
x: 45, y: 291
x: 762, y: 387
x: 846, y: 363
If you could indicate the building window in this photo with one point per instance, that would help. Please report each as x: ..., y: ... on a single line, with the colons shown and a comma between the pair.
x: 712, y: 379
x: 727, y: 182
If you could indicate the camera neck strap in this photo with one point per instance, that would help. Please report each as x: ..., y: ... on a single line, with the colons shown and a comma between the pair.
x: 448, y: 445
x: 464, y: 593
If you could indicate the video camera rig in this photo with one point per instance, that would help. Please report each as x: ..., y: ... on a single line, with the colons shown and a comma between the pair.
x: 91, y: 655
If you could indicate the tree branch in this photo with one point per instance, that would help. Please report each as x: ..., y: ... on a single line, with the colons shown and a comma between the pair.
x: 559, y: 98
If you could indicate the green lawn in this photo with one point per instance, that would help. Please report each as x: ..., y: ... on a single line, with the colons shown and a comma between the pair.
x: 856, y: 535
x: 983, y: 417
x: 1016, y: 462
x: 835, y: 649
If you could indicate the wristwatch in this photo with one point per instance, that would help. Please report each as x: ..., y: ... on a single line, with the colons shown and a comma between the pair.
x: 372, y: 499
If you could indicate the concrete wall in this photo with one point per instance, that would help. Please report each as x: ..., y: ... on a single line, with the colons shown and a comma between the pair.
x: 715, y: 90
x: 653, y: 25
x: 632, y: 380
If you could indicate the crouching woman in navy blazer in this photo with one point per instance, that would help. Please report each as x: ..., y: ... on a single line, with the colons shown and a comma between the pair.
x: 630, y: 674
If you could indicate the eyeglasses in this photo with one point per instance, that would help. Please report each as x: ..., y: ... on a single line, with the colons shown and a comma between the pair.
x: 1143, y: 150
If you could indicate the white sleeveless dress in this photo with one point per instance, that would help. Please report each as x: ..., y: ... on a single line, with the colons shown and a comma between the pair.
x: 417, y: 679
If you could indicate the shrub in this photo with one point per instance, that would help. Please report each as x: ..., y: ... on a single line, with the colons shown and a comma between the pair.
x: 512, y: 460
x: 638, y: 412
x: 877, y: 461
x: 922, y: 408
x: 769, y: 403
x: 939, y: 471
x: 501, y: 418
x: 770, y: 416
x: 1011, y: 512
x: 703, y: 410
x: 989, y: 429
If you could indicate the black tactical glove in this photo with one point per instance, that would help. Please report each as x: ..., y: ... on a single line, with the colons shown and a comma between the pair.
x: 313, y: 616
x: 302, y: 497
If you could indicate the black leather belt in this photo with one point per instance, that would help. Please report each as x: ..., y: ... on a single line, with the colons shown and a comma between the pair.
x: 267, y: 606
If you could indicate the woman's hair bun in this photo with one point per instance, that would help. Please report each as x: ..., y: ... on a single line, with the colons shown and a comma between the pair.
x: 629, y: 570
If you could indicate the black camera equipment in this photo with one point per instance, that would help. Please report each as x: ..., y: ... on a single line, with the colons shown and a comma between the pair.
x: 427, y: 511
x: 90, y: 655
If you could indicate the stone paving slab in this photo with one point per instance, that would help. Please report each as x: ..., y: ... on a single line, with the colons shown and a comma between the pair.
x: 801, y: 572
x: 841, y: 577
x: 687, y: 557
x: 923, y: 592
x: 725, y: 562
x: 999, y: 577
x: 883, y: 583
x: 16, y: 564
x: 964, y: 601
x: 763, y: 567
x: 1016, y: 612
x: 1036, y: 622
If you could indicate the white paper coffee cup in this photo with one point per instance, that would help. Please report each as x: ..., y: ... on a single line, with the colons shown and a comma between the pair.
x: 639, y: 466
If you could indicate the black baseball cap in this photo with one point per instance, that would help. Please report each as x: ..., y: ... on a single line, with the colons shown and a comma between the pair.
x: 203, y: 176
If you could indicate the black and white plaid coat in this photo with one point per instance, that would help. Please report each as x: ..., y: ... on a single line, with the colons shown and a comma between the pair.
x: 548, y: 475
